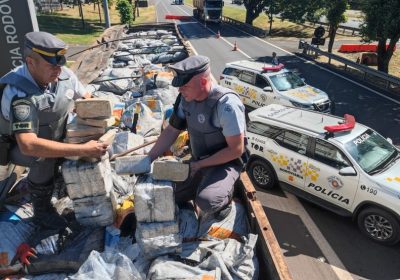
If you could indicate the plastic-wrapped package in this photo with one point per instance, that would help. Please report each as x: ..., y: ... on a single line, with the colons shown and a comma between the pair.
x: 126, y: 140
x: 160, y: 245
x: 95, y: 210
x: 167, y: 95
x: 85, y: 179
x: 150, y: 230
x: 136, y: 164
x: 154, y: 201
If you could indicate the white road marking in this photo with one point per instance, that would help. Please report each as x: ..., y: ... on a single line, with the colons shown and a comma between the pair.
x: 334, y: 261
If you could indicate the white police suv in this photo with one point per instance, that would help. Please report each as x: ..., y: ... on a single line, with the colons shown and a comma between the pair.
x: 260, y: 84
x: 334, y: 162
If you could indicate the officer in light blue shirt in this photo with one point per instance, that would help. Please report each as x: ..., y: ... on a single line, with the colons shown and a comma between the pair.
x: 215, y: 119
x: 35, y: 103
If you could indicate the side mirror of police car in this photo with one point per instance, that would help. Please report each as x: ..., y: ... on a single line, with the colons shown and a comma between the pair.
x: 389, y: 140
x: 347, y: 171
x: 267, y: 88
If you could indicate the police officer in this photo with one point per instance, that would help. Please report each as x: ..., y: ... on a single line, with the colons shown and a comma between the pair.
x: 215, y: 119
x: 36, y: 99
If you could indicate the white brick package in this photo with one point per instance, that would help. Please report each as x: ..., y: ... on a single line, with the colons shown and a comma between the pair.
x: 85, y: 179
x: 97, y: 122
x: 95, y: 210
x: 171, y: 170
x: 93, y: 108
x: 136, y: 164
x: 160, y: 245
x: 154, y: 201
x: 150, y: 230
x: 80, y: 130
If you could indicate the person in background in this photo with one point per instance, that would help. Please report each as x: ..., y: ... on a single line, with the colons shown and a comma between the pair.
x: 35, y: 101
x: 215, y: 119
x: 274, y: 60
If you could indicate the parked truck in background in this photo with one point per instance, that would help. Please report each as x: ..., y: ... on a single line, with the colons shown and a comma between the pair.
x: 208, y: 10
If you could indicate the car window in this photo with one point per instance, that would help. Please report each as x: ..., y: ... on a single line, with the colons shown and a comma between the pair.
x: 261, y: 82
x: 232, y: 72
x: 370, y: 150
x: 293, y: 141
x: 330, y: 155
x: 286, y: 81
x: 247, y: 77
x: 263, y: 129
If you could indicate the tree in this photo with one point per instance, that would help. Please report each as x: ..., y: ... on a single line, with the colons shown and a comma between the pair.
x: 253, y: 9
x: 382, y: 23
x: 335, y: 15
x: 272, y: 7
x: 305, y: 10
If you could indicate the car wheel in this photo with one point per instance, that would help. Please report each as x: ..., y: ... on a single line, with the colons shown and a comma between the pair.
x: 379, y: 225
x: 261, y: 174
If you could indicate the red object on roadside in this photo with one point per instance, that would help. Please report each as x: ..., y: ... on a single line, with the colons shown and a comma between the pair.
x: 360, y: 48
x: 349, y: 123
x: 178, y: 17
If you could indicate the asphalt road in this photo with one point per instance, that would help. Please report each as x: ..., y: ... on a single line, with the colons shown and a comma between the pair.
x: 317, y: 244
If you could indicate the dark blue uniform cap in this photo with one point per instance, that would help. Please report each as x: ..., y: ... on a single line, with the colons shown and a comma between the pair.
x: 49, y: 47
x: 187, y: 68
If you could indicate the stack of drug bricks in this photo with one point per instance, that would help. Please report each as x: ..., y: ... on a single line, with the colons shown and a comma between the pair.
x: 157, y: 231
x: 89, y: 183
x: 94, y: 115
x: 90, y: 187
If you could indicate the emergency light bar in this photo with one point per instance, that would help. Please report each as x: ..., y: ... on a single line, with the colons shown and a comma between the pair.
x: 273, y: 68
x: 349, y: 123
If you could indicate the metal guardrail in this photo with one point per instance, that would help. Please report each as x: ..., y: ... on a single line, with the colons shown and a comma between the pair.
x: 246, y: 27
x: 344, y: 28
x: 378, y: 78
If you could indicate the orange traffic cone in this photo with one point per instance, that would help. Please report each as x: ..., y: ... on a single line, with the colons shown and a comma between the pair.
x: 235, y: 48
x: 218, y: 34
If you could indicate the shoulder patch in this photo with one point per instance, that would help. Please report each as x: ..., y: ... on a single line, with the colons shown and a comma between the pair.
x: 228, y: 108
x: 22, y: 109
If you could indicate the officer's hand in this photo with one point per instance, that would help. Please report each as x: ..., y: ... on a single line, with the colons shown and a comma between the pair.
x: 95, y: 149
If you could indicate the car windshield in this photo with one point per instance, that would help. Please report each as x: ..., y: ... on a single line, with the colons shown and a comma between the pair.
x: 371, y: 151
x: 287, y: 80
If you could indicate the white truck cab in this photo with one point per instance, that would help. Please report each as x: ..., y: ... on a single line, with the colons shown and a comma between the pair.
x: 334, y: 162
x: 259, y: 84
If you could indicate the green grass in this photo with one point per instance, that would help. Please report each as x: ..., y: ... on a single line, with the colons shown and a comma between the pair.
x: 67, y: 24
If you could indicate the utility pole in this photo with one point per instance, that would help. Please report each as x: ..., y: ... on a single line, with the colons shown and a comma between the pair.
x: 106, y: 15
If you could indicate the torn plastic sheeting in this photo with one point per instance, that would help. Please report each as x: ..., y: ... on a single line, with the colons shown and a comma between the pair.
x: 123, y: 184
x: 148, y: 122
x: 105, y: 266
x: 167, y: 268
x: 235, y: 225
x: 116, y: 86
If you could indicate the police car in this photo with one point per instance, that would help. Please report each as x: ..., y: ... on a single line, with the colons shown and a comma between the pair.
x: 260, y: 84
x: 334, y: 162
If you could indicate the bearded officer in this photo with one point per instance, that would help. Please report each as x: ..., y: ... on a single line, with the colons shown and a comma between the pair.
x: 35, y: 103
x: 215, y: 119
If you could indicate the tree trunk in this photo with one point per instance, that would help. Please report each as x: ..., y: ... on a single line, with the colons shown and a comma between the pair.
x: 332, y: 34
x: 250, y: 16
x: 270, y: 23
x: 384, y: 56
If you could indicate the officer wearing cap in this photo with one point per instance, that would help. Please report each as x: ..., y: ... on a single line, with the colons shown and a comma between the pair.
x: 35, y: 101
x: 214, y: 117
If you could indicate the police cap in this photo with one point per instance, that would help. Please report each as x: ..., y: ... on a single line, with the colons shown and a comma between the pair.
x: 49, y: 47
x: 187, y: 68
